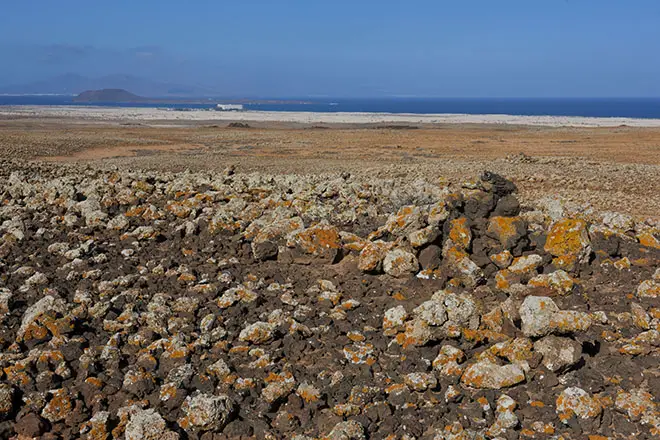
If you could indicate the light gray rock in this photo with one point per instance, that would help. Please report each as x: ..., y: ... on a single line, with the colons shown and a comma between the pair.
x: 45, y: 304
x: 350, y: 430
x: 432, y: 311
x: 399, y: 263
x: 558, y: 353
x: 540, y: 316
x: 148, y: 425
x: 206, y: 412
x: 257, y: 333
x: 487, y: 375
x: 5, y: 298
x: 6, y: 400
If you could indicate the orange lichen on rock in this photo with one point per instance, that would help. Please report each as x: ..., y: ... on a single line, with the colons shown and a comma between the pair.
x: 459, y: 233
x: 568, y: 240
x: 649, y: 240
x: 487, y: 375
x: 576, y: 401
x: 318, y: 239
x: 507, y: 230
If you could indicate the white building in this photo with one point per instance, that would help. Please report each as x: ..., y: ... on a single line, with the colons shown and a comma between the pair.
x: 229, y: 107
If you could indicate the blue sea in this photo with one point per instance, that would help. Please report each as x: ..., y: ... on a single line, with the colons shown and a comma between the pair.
x: 590, y: 107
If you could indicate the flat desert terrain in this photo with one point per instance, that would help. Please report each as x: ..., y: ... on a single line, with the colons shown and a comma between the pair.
x: 607, y: 168
x: 327, y: 276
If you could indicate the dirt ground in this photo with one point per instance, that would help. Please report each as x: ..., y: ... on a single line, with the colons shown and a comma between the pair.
x: 345, y: 282
x: 608, y: 168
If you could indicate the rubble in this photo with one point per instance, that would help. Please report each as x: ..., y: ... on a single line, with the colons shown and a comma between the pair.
x: 141, y: 305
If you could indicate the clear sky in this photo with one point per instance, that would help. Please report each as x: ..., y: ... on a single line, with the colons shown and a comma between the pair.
x: 362, y: 48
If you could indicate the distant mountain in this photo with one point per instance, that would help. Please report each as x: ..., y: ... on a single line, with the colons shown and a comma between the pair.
x: 108, y: 95
x: 73, y: 84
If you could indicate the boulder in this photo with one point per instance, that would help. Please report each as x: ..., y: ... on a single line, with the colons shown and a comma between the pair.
x: 577, y: 402
x: 507, y: 230
x: 204, y: 412
x: 148, y: 425
x: 400, y: 263
x: 558, y: 353
x: 540, y: 316
x: 568, y: 241
x: 488, y: 375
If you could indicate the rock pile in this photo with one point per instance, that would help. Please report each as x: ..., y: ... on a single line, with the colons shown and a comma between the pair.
x: 144, y: 305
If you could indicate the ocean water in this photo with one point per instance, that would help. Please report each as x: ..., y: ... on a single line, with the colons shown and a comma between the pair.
x: 590, y: 107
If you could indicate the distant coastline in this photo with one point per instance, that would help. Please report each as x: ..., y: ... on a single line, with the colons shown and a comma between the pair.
x: 147, y: 115
x: 636, y: 108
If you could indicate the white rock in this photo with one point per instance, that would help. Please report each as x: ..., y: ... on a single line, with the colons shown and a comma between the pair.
x: 148, y: 425
x: 558, y: 353
x: 433, y: 312
x: 399, y: 263
x: 206, y: 412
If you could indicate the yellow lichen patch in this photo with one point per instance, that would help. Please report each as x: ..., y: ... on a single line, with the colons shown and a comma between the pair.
x: 566, y: 262
x: 317, y: 239
x: 135, y: 212
x: 396, y: 388
x: 459, y: 233
x: 604, y: 400
x: 372, y: 254
x: 352, y: 242
x: 493, y: 320
x: 15, y: 374
x: 239, y: 349
x: 506, y: 229
x: 516, y: 350
x: 179, y: 209
x: 455, y: 254
x: 622, y: 264
x: 526, y: 432
x: 568, y: 321
x: 649, y: 240
x: 479, y: 336
x: 576, y: 401
x: 487, y: 375
x: 649, y: 289
x: 346, y: 409
x: 50, y: 356
x: 567, y: 237
x: 217, y: 226
x: 637, y: 404
x: 399, y: 296
x: 244, y: 384
x: 308, y: 393
x: 355, y: 336
x: 417, y: 333
x: 359, y: 353
x: 95, y: 382
x: 59, y: 406
x: 35, y: 331
x: 559, y: 281
x: 167, y: 391
x: 504, y: 279
x: 502, y: 260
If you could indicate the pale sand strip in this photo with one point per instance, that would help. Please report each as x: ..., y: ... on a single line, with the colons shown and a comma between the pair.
x: 154, y: 114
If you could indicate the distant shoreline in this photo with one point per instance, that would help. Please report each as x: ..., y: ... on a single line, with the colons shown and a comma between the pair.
x: 101, y: 113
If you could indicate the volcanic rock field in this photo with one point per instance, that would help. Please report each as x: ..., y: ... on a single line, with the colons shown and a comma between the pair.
x: 219, y: 305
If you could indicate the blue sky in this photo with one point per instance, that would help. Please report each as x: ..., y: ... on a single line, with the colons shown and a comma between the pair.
x: 459, y: 48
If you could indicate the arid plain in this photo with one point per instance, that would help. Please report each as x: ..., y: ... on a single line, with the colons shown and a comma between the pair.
x: 609, y: 168
x: 215, y: 279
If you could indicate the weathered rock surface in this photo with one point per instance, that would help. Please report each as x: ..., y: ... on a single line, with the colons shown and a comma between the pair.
x: 146, y: 305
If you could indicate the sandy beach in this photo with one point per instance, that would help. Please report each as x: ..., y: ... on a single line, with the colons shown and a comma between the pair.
x: 91, y: 113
